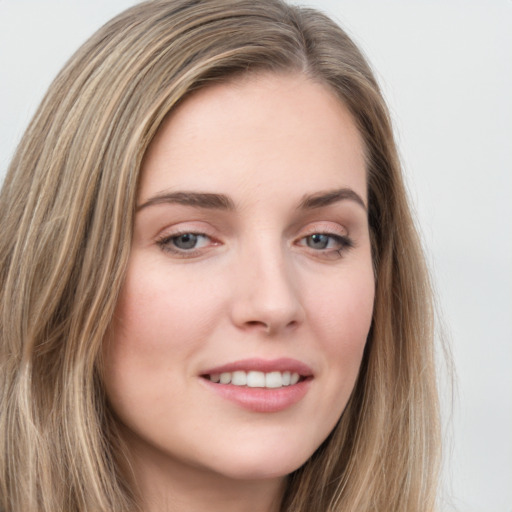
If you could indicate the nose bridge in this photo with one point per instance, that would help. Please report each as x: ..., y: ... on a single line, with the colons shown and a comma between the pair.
x: 266, y: 294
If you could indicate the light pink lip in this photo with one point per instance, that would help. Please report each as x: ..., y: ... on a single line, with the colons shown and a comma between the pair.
x: 282, y: 364
x: 262, y: 400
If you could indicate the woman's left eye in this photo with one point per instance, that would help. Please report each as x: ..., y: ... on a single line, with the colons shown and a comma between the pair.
x: 326, y: 242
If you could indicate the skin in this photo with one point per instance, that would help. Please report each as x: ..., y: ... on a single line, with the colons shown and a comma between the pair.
x: 255, y: 283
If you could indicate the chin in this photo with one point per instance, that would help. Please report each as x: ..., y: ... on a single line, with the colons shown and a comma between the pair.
x: 263, y: 464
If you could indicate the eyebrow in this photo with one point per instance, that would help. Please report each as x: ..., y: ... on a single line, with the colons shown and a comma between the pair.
x: 195, y: 199
x: 213, y: 201
x: 322, y: 199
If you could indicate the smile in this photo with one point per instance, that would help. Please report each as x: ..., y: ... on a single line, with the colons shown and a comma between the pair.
x: 260, y: 385
x: 256, y: 379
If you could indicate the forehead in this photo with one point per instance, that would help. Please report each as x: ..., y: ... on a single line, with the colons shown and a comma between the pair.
x: 265, y: 131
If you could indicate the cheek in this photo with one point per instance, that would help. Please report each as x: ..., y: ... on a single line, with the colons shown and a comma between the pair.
x: 344, y: 309
x: 150, y: 337
x: 342, y: 318
x: 162, y: 320
x: 160, y: 312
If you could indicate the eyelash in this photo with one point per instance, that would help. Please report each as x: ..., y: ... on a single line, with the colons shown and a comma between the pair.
x: 343, y: 243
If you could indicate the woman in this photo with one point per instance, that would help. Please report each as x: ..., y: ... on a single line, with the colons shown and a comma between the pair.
x: 213, y: 294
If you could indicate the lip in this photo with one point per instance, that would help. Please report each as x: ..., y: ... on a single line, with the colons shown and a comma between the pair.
x: 282, y: 364
x: 262, y: 400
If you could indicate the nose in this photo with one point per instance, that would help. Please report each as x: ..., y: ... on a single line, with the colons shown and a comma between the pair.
x: 266, y: 296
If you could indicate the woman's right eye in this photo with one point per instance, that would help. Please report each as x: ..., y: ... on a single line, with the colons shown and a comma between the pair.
x: 185, y: 244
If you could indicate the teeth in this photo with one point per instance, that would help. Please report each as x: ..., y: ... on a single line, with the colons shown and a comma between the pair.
x: 239, y: 378
x: 225, y: 378
x: 273, y: 380
x: 254, y: 379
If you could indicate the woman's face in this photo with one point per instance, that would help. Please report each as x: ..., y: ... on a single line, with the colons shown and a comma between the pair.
x: 251, y: 265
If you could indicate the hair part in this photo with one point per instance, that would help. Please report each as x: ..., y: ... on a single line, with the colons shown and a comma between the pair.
x: 68, y: 204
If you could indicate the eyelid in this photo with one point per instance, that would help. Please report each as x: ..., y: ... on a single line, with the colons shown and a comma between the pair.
x: 181, y: 228
x: 324, y: 227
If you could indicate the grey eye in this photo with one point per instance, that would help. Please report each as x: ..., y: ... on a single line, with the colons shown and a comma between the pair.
x: 318, y: 241
x: 186, y: 241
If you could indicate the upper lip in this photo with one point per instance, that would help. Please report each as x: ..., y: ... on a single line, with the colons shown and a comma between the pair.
x: 264, y: 365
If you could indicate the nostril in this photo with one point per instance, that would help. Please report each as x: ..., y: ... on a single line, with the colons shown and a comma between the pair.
x: 258, y: 324
x: 269, y: 327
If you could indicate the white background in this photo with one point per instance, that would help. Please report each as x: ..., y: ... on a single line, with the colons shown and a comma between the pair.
x: 446, y: 71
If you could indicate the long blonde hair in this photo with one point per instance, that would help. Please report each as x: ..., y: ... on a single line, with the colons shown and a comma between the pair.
x: 67, y: 208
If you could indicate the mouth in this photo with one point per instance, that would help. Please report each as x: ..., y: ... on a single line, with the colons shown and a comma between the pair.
x: 257, y: 379
x: 260, y: 385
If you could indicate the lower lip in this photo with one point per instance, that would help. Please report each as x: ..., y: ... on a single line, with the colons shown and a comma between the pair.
x: 261, y: 399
